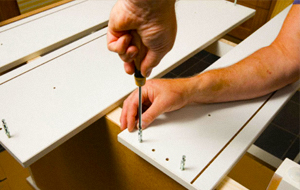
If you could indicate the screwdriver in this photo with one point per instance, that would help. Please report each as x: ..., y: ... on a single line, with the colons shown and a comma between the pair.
x: 139, y: 79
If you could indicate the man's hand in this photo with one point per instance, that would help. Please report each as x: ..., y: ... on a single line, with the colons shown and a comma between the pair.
x: 159, y: 96
x: 154, y: 21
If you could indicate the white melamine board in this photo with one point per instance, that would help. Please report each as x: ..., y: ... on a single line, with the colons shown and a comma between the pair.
x: 48, y: 57
x: 38, y: 36
x: 199, y: 132
x: 51, y: 103
x: 235, y: 150
x: 90, y: 81
x: 39, y: 15
x: 191, y: 132
x: 262, y: 37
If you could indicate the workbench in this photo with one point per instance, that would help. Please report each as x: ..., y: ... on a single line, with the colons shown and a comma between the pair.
x: 54, y: 106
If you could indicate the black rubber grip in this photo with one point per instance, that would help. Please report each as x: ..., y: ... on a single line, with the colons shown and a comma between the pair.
x: 137, y: 73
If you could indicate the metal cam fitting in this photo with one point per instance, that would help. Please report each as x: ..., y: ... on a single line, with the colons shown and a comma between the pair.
x: 6, y: 128
x: 182, y: 164
x: 140, y: 135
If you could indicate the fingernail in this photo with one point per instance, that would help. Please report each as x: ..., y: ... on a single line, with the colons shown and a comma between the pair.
x: 144, y: 125
x: 130, y: 130
x: 148, y: 73
x: 133, y: 55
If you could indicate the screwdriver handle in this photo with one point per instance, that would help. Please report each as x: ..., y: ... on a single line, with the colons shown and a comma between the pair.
x: 137, y: 41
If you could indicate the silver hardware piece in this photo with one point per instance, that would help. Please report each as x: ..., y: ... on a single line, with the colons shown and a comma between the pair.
x: 140, y: 136
x: 182, y: 164
x: 6, y: 128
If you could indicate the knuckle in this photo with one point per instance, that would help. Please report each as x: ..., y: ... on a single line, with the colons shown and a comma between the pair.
x: 125, y: 57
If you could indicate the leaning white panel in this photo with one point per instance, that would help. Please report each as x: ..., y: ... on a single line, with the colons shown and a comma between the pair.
x: 262, y: 37
x: 35, y: 37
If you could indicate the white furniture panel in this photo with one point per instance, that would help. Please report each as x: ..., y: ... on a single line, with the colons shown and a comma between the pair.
x: 81, y: 82
x: 224, y: 162
x: 209, y: 135
x: 25, y: 40
x: 199, y: 132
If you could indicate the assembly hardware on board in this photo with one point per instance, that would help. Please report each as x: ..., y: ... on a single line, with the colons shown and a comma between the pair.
x: 182, y: 164
x: 6, y: 128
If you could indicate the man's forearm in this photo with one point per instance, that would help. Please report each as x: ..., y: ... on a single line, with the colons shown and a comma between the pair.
x: 261, y: 73
x: 266, y: 70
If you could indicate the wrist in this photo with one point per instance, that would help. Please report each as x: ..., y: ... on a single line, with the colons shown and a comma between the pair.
x: 201, y: 88
x: 191, y: 89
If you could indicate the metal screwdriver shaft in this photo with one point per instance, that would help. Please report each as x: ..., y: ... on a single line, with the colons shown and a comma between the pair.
x: 140, y: 115
x: 139, y: 79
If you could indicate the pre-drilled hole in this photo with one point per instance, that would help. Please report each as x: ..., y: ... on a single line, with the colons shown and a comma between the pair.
x: 167, y: 159
x: 0, y: 128
x: 153, y: 150
x: 54, y: 87
x: 209, y: 115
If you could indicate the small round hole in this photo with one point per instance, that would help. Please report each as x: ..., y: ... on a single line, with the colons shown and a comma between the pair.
x: 0, y: 129
x: 167, y: 159
x: 153, y: 150
x: 54, y: 87
x: 209, y: 115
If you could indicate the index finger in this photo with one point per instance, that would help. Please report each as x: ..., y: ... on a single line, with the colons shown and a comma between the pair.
x: 129, y: 111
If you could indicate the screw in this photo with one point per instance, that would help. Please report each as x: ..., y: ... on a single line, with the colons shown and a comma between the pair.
x: 140, y: 134
x: 182, y: 164
x: 6, y: 129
